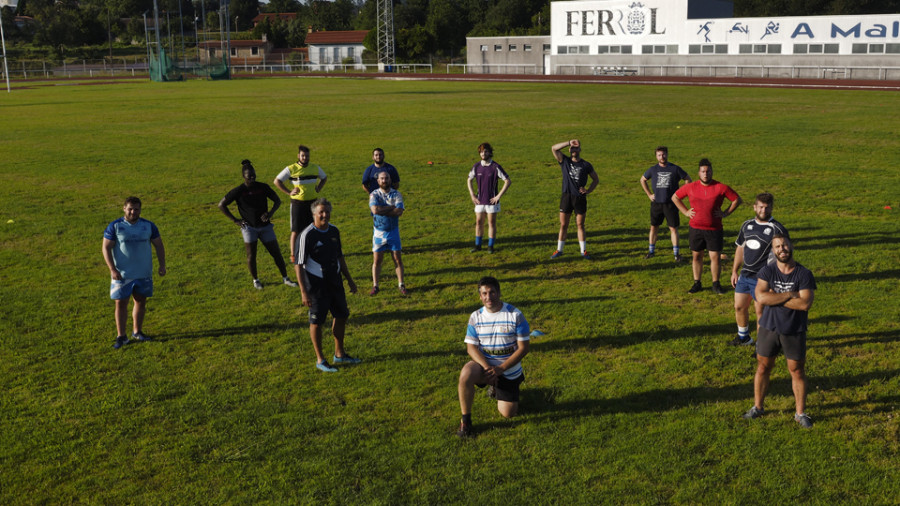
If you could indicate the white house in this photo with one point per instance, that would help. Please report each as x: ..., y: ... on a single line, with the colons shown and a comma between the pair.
x: 328, y: 50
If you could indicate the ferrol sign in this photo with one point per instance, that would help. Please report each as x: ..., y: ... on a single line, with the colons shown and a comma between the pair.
x: 635, y: 19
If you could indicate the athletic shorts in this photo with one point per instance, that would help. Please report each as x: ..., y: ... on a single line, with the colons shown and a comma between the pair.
x: 710, y: 240
x: 265, y: 234
x: 746, y: 285
x: 301, y: 214
x: 325, y: 298
x: 569, y: 203
x: 667, y: 210
x: 507, y: 390
x: 123, y: 288
x: 490, y: 209
x: 769, y: 343
x: 386, y: 241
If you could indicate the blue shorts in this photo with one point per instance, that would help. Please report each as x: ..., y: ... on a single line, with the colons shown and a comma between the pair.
x: 386, y: 241
x: 266, y: 234
x: 746, y: 285
x: 124, y: 288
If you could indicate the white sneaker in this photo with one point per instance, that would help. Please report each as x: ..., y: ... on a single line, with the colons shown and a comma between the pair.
x: 290, y: 283
x: 257, y: 284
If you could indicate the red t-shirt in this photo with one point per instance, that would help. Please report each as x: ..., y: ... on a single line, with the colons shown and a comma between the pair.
x: 704, y: 200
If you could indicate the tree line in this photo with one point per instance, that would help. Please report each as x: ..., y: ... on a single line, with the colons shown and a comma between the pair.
x: 422, y: 28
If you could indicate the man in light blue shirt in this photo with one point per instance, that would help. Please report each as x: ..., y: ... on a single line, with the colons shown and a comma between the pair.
x: 127, y: 252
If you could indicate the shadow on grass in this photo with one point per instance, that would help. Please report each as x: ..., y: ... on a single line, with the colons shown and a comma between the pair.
x: 225, y: 332
x: 859, y: 276
x: 542, y: 402
x: 888, y: 336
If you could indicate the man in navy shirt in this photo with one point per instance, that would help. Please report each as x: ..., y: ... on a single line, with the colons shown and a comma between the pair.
x: 575, y: 173
x: 370, y: 175
x: 786, y: 289
x: 665, y: 178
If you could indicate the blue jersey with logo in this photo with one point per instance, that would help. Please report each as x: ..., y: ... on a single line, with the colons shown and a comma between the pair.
x: 132, y: 253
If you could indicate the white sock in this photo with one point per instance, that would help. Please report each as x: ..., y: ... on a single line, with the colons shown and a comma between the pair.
x: 559, y: 245
x: 582, y: 245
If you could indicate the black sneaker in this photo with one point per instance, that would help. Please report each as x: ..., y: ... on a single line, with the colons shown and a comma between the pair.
x: 737, y: 341
x: 803, y: 420
x: 649, y: 255
x: 139, y: 336
x: 120, y: 341
x: 754, y: 412
x: 679, y: 259
x: 491, y: 250
x: 464, y: 431
x: 696, y: 287
x: 717, y: 288
x: 475, y: 249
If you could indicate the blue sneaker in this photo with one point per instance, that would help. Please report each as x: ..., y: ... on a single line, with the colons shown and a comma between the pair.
x: 120, y: 341
x: 556, y: 254
x: 324, y: 367
x: 346, y: 359
x: 139, y: 336
x: 585, y: 256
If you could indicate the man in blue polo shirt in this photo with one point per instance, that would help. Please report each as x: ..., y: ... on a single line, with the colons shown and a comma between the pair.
x: 127, y: 252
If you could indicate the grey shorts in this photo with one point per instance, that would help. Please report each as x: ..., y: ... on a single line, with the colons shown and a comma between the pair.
x: 769, y: 343
x: 265, y: 234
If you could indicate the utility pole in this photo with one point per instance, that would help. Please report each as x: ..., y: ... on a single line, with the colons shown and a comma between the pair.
x: 385, y: 27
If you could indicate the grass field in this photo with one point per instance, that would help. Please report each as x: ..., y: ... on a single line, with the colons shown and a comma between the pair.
x: 632, y: 396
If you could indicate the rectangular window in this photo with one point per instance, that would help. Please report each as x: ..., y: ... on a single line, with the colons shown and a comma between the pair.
x: 646, y: 49
x: 800, y: 48
x: 876, y: 48
x: 562, y: 50
x: 615, y: 49
x: 721, y: 48
x: 626, y: 49
x: 892, y: 48
x: 860, y: 48
x: 707, y: 49
x: 774, y: 49
x: 602, y: 49
x: 498, y: 47
x: 526, y: 47
x: 512, y: 47
x: 484, y: 47
x: 234, y: 51
x: 694, y: 49
x: 322, y: 55
x: 545, y: 48
x: 832, y: 48
x: 350, y: 52
x: 672, y: 49
x: 759, y: 48
x: 336, y: 55
x: 745, y: 48
x: 816, y: 48
x: 254, y: 51
x: 659, y: 49
x: 584, y: 50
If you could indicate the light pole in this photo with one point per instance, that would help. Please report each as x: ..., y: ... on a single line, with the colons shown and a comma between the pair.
x: 12, y: 5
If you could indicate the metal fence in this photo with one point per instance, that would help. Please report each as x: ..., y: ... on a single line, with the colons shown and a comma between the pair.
x: 729, y: 71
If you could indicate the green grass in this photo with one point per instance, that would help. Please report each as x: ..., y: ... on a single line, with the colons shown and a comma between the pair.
x: 631, y: 397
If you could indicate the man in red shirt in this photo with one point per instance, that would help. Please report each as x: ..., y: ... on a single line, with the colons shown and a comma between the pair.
x: 706, y: 196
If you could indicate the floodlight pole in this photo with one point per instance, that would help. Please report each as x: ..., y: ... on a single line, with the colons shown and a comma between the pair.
x: 3, y: 39
x: 385, y: 32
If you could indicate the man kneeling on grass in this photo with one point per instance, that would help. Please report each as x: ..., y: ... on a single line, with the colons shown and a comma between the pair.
x: 496, y: 340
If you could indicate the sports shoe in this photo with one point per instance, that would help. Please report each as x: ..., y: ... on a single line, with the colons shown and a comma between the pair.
x: 374, y: 290
x: 464, y: 430
x: 717, y: 288
x: 257, y: 284
x: 403, y: 290
x: 649, y: 255
x: 346, y: 359
x: 754, y: 413
x: 556, y: 254
x: 475, y: 249
x: 696, y: 287
x: 290, y: 283
x: 491, y: 250
x: 492, y: 392
x: 803, y: 420
x: 585, y: 255
x: 324, y: 367
x: 120, y: 341
x: 679, y: 259
x: 737, y: 341
x: 139, y: 336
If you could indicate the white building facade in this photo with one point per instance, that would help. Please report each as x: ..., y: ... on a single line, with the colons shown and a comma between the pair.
x: 653, y: 37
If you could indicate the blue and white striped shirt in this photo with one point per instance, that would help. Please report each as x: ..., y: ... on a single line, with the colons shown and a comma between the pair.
x: 497, y: 335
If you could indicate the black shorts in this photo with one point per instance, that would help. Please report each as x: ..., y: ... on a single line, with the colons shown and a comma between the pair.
x: 769, y: 343
x: 710, y: 240
x: 301, y: 214
x: 667, y: 210
x: 507, y: 390
x: 569, y: 203
x: 324, y: 297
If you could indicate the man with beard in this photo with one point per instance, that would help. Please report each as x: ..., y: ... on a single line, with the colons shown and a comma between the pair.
x: 786, y: 289
x: 370, y: 175
x: 575, y: 172
x: 705, y: 228
x: 665, y: 178
x: 486, y: 173
x: 387, y: 207
x: 754, y: 250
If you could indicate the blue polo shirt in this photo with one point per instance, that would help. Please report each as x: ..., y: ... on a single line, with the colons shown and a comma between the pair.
x: 132, y: 252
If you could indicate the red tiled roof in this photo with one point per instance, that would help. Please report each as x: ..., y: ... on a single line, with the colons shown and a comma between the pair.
x: 337, y: 37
